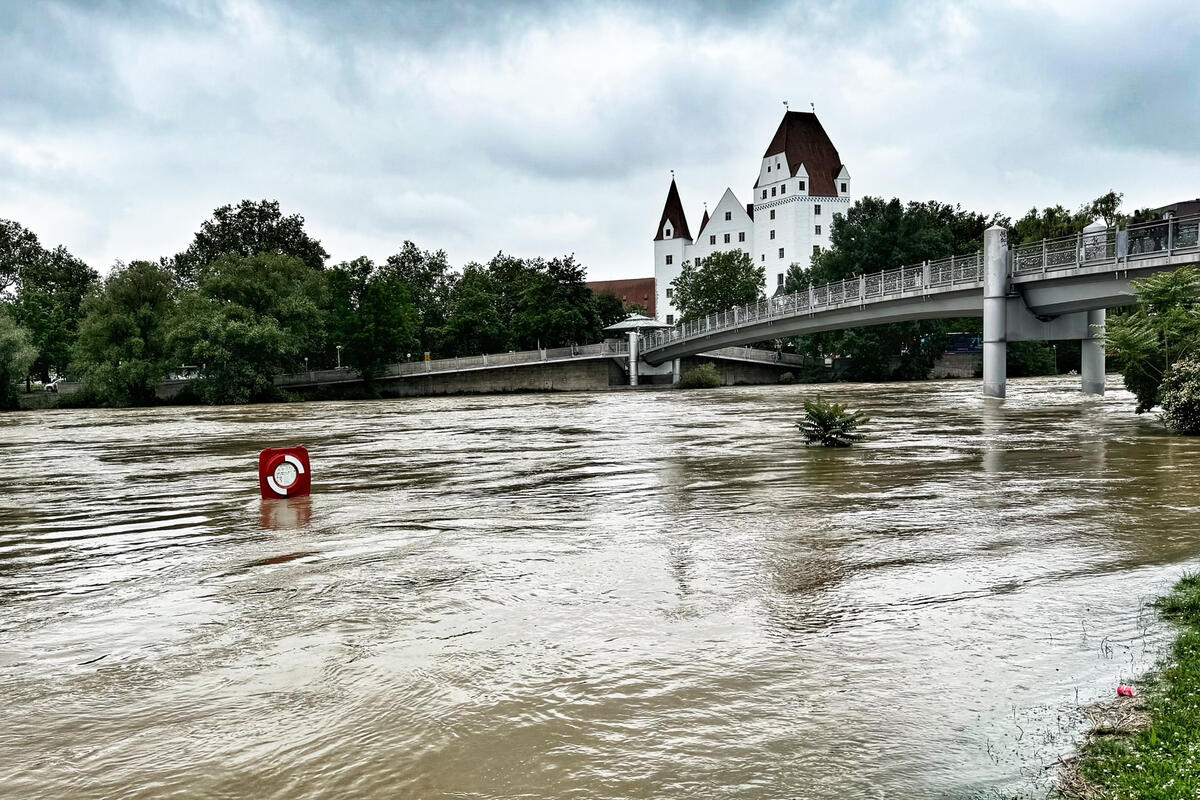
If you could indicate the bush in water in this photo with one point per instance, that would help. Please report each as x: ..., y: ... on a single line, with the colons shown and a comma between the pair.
x: 830, y: 424
x: 705, y: 376
x: 1180, y: 394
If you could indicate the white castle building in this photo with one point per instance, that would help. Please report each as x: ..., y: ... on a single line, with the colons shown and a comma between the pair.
x: 801, y: 184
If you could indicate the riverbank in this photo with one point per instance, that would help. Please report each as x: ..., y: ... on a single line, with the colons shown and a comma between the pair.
x: 1159, y: 756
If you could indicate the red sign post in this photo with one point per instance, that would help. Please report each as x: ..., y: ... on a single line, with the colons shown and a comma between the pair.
x: 284, y: 472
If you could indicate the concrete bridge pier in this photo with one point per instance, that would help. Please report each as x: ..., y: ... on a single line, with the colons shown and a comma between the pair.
x: 1092, y: 353
x: 995, y: 311
x: 676, y: 369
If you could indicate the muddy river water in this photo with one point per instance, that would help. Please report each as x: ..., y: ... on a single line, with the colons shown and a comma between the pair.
x: 654, y: 594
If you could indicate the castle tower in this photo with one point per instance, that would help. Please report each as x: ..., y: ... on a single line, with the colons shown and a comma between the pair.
x: 801, y: 184
x: 672, y: 240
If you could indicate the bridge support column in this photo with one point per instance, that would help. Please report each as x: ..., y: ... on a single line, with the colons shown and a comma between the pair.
x: 995, y: 311
x: 634, y: 358
x: 1092, y: 354
x: 676, y: 369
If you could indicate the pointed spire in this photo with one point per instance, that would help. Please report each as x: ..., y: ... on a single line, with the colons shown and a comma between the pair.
x: 673, y: 213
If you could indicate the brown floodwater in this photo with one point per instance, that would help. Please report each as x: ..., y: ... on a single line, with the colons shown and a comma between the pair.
x: 613, y: 595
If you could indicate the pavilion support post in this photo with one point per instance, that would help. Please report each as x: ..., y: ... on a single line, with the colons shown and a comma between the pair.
x: 1092, y: 353
x: 995, y: 311
x: 634, y: 357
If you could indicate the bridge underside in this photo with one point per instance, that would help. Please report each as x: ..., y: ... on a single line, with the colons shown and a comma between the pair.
x: 947, y: 305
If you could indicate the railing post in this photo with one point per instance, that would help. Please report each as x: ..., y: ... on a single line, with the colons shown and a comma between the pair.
x: 862, y: 290
x: 1170, y: 236
x: 926, y: 279
x: 1079, y: 249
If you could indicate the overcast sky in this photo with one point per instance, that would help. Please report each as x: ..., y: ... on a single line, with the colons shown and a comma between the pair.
x: 550, y: 128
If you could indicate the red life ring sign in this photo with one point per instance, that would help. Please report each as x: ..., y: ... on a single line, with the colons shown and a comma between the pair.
x: 284, y: 472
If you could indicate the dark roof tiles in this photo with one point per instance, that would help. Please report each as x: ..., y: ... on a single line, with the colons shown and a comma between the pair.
x: 802, y: 140
x: 673, y: 212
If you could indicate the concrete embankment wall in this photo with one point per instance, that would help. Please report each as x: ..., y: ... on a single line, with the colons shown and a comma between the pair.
x: 566, y: 376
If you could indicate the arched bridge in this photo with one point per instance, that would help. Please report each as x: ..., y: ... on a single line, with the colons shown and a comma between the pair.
x: 1052, y: 289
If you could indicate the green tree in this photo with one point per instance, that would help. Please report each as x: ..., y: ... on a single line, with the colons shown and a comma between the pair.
x: 1162, y: 327
x: 477, y: 322
x: 49, y: 304
x: 19, y: 250
x: 430, y: 282
x: 1107, y: 207
x: 1050, y: 223
x: 554, y: 306
x: 722, y: 281
x: 248, y: 320
x: 876, y: 235
x: 1180, y: 394
x: 372, y: 315
x: 611, y: 310
x: 16, y: 356
x: 121, y: 352
x: 248, y: 229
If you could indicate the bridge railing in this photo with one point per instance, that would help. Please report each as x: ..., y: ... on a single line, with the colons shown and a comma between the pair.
x: 857, y: 291
x: 1108, y: 245
x: 612, y: 347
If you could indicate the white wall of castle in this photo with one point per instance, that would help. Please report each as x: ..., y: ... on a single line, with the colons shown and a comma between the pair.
x: 789, y: 222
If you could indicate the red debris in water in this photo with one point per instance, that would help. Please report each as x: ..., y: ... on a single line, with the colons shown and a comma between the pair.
x: 1126, y: 691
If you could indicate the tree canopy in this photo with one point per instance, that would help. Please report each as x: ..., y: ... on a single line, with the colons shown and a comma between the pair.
x: 1162, y: 328
x: 723, y: 280
x: 247, y: 229
x: 249, y: 319
x: 121, y: 353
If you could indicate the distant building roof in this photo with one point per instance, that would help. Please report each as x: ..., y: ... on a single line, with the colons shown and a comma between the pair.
x: 1184, y: 208
x: 802, y: 139
x: 673, y: 212
x: 630, y: 291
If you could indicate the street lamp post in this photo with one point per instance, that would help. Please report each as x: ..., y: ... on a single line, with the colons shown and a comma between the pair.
x: 1055, y: 348
x: 339, y: 349
x: 306, y: 364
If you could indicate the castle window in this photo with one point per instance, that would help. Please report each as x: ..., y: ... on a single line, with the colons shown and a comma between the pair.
x: 768, y: 167
x: 670, y: 259
x: 779, y: 279
x: 697, y: 261
x: 781, y: 252
x: 666, y: 233
x: 802, y: 186
x: 816, y: 250
x: 772, y: 213
x: 764, y: 194
x: 670, y: 292
x: 818, y: 230
x: 727, y: 238
x: 772, y: 234
x: 772, y: 191
x: 712, y: 240
x: 741, y: 236
x: 728, y: 215
x: 783, y: 188
x: 843, y: 187
x: 762, y: 257
x: 817, y: 209
x: 670, y: 319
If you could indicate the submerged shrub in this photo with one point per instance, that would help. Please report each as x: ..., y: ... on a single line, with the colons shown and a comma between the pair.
x: 830, y: 424
x: 1180, y: 396
x: 787, y: 378
x: 705, y: 376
